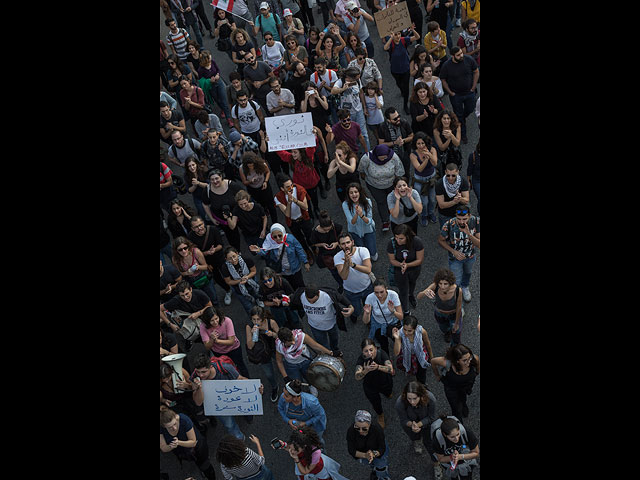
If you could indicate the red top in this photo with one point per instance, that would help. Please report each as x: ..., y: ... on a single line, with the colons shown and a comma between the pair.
x: 196, y: 96
x: 302, y: 174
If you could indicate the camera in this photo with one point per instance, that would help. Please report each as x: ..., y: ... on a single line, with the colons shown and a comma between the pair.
x: 226, y: 211
x: 277, y: 444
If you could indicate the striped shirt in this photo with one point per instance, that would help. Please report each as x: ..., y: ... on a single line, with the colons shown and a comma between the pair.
x: 179, y: 42
x: 165, y: 173
x: 249, y: 466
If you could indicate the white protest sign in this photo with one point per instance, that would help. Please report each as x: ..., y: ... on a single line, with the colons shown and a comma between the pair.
x: 232, y: 397
x: 290, y: 131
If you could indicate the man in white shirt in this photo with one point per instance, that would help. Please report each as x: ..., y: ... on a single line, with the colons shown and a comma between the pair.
x: 354, y: 266
x: 320, y: 308
x: 247, y: 117
x: 280, y: 101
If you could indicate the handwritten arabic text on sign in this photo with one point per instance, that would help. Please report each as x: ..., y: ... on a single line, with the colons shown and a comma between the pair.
x: 392, y: 19
x: 232, y: 397
x: 290, y: 131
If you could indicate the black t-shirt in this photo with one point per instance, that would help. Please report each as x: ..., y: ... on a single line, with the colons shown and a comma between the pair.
x: 214, y: 238
x: 425, y: 125
x: 374, y: 440
x: 250, y: 222
x: 175, y: 118
x: 440, y: 190
x: 376, y: 379
x: 459, y: 76
x: 216, y: 202
x: 276, y: 291
x: 224, y: 270
x: 402, y: 250
x: 198, y: 301
x: 169, y: 275
x: 330, y: 237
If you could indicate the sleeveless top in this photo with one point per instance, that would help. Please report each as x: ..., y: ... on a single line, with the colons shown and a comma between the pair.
x: 428, y: 170
x: 445, y: 305
x: 459, y: 382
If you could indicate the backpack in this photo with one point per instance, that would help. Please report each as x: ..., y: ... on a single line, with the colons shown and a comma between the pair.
x: 172, y: 148
x: 219, y: 361
x: 261, y: 351
x: 251, y: 103
x: 461, y: 469
x: 277, y: 19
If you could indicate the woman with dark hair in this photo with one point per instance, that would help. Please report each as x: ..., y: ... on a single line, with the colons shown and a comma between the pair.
x: 404, y: 204
x: 262, y: 351
x: 424, y: 159
x: 192, y: 265
x: 294, y: 53
x: 213, y: 85
x: 195, y: 178
x: 329, y: 47
x: 255, y: 174
x: 177, y: 435
x: 454, y: 446
x: 343, y: 166
x: 219, y: 336
x: 179, y: 218
x: 352, y: 44
x: 447, y: 301
x: 446, y: 133
x: 412, y: 348
x: 367, y: 444
x: 218, y: 201
x: 416, y: 408
x: 420, y: 57
x: 374, y: 367
x: 177, y: 70
x: 240, y: 462
x: 423, y: 109
x: 275, y: 293
x: 292, y: 354
x: 383, y: 309
x: 304, y: 447
x: 299, y: 409
x: 239, y: 272
x: 191, y: 98
x: 224, y: 24
x: 406, y: 254
x: 325, y: 239
x: 434, y: 83
x: 457, y: 371
x: 358, y: 210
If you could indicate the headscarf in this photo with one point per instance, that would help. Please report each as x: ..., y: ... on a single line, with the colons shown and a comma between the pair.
x: 363, y: 416
x: 381, y: 150
x: 452, y: 189
x: 269, y: 243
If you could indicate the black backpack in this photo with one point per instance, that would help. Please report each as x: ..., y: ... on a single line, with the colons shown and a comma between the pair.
x: 261, y: 351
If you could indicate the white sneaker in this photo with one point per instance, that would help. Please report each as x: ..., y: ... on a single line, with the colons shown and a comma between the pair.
x: 260, y: 303
x: 458, y: 22
x: 313, y: 390
x: 437, y: 471
x: 374, y: 258
x: 227, y: 298
x: 417, y: 446
x: 466, y: 294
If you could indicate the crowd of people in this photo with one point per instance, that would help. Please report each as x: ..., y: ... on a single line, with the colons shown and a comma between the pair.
x: 242, y: 224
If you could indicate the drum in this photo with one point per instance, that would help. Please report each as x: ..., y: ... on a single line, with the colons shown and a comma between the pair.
x: 326, y: 372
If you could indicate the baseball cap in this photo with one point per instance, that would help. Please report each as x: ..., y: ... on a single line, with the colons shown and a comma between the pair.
x: 264, y: 5
x: 351, y: 5
x: 287, y: 11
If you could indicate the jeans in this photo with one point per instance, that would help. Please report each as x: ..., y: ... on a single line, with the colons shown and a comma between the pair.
x: 231, y: 425
x: 358, y: 117
x: 428, y: 200
x: 445, y: 323
x: 380, y: 198
x: 357, y: 299
x: 269, y: 372
x: 368, y: 241
x: 463, y: 105
x: 219, y: 94
x: 247, y: 302
x: 210, y: 289
x: 462, y: 269
x: 297, y: 371
x: 326, y: 338
x: 370, y: 51
x: 285, y: 317
x: 442, y: 219
x: 380, y: 465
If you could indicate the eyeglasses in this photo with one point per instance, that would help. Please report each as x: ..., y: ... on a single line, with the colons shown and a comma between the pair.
x: 196, y: 227
x: 182, y: 249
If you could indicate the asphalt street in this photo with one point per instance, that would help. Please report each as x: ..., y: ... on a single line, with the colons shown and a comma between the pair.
x: 341, y: 405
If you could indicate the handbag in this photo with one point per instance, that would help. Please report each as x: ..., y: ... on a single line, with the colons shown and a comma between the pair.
x: 201, y: 281
x: 390, y: 326
x: 276, y: 266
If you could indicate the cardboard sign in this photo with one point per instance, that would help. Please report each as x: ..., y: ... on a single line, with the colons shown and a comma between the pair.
x: 393, y: 19
x: 232, y: 397
x: 290, y: 131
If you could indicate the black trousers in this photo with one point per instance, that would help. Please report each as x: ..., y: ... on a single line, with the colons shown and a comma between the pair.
x: 373, y: 394
x: 406, y: 285
x: 402, y: 81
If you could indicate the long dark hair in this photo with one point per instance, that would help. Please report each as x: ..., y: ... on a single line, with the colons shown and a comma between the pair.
x: 362, y: 200
x: 231, y: 451
x: 417, y: 388
x: 307, y: 439
x: 407, y: 231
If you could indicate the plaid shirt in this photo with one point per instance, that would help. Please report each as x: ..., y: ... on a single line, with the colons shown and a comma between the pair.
x: 248, y: 145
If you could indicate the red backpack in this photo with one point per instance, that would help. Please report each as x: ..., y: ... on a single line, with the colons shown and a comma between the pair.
x: 219, y: 361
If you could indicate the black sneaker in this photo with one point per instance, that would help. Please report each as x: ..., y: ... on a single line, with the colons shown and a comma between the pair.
x: 465, y: 410
x: 248, y: 418
x: 274, y: 394
x: 412, y: 301
x: 447, y: 336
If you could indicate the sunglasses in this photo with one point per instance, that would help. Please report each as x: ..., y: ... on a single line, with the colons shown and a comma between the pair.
x: 182, y: 249
x: 267, y: 280
x: 462, y: 212
x: 345, y: 120
x: 451, y: 176
x: 361, y: 429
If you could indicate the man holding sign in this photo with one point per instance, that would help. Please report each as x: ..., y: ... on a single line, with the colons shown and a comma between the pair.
x: 210, y: 369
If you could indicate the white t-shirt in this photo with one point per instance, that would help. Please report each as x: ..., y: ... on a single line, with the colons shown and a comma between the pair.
x: 322, y: 314
x: 249, y: 120
x: 295, y: 209
x: 378, y: 314
x: 273, y: 56
x: 350, y: 98
x: 329, y: 77
x: 356, y: 281
x: 286, y: 96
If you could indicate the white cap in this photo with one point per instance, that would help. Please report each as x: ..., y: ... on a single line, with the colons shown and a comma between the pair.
x: 287, y: 11
x: 351, y: 5
x: 264, y: 5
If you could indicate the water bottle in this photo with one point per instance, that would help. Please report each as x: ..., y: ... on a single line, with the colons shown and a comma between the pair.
x: 255, y: 335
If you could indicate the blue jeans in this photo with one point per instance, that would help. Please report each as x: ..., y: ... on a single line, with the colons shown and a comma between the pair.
x: 370, y: 51
x: 429, y: 199
x: 247, y: 302
x: 297, y: 371
x: 445, y: 322
x: 210, y: 289
x: 326, y: 337
x: 463, y: 105
x: 231, y: 425
x: 267, y: 368
x: 219, y: 94
x: 379, y: 465
x: 358, y: 117
x: 442, y: 219
x: 369, y: 241
x: 357, y: 299
x: 285, y: 316
x: 462, y: 270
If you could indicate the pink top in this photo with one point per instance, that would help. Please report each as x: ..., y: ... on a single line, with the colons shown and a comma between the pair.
x: 225, y: 330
